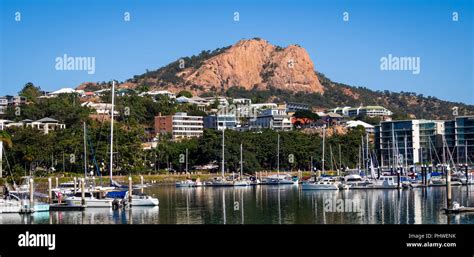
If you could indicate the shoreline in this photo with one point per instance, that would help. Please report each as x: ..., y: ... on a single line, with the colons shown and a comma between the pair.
x: 157, y: 179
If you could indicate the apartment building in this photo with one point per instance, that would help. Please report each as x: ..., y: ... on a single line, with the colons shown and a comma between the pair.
x: 220, y: 121
x: 423, y: 140
x: 180, y: 125
x: 369, y: 111
x: 274, y: 118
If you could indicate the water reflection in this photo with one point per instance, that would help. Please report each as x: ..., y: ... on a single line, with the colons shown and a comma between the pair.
x: 271, y: 205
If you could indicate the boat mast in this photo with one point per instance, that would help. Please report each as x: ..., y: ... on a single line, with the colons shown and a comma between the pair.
x: 359, y: 158
x: 241, y: 163
x: 85, y: 152
x: 465, y: 151
x: 1, y: 158
x: 444, y: 153
x: 186, y: 160
x: 324, y: 138
x: 112, y: 130
x: 393, y: 148
x: 450, y: 156
x: 278, y: 157
x: 431, y: 154
x: 381, y: 164
x: 457, y: 153
x: 367, y: 152
x: 363, y: 154
x: 222, y: 161
x: 331, y: 157
x: 406, y: 154
x: 340, y: 160
x: 421, y: 155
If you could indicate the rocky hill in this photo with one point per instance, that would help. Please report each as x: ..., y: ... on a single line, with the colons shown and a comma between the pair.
x: 264, y: 72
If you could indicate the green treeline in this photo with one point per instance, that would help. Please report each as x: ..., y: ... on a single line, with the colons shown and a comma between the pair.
x: 62, y: 150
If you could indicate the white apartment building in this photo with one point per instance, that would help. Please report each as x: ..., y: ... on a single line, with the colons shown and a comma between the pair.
x: 179, y: 125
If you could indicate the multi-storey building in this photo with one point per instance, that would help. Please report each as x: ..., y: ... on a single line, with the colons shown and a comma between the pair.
x: 242, y: 101
x: 369, y: 111
x: 220, y: 121
x: 426, y: 141
x: 293, y: 107
x: 464, y: 138
x: 412, y: 140
x: 180, y: 125
x: 274, y: 118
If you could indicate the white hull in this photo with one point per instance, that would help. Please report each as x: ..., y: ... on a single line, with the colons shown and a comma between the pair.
x: 10, y: 206
x: 241, y: 183
x: 220, y: 183
x: 145, y: 202
x: 90, y: 202
x: 319, y: 186
x: 382, y: 187
x: 188, y: 184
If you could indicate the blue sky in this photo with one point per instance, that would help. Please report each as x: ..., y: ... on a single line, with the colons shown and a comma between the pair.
x: 162, y: 31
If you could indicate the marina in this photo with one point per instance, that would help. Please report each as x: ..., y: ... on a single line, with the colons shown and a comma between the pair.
x: 270, y: 204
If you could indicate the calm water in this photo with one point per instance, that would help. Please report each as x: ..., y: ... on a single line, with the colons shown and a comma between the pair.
x: 272, y: 205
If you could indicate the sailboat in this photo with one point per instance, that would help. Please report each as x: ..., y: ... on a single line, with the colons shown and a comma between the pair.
x: 221, y: 181
x: 388, y: 182
x: 92, y: 197
x: 8, y: 204
x: 189, y: 182
x: 241, y: 181
x: 279, y: 179
x: 137, y: 199
x: 325, y: 183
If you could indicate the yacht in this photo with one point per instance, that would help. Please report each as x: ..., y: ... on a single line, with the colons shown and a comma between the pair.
x: 24, y: 187
x: 143, y: 200
x: 283, y: 179
x: 220, y: 182
x: 24, y: 199
x: 10, y: 205
x: 322, y: 184
x: 385, y: 182
x: 242, y: 182
x: 66, y: 188
x: 90, y: 200
x: 354, y: 181
x: 437, y: 181
x: 189, y: 183
x: 254, y: 181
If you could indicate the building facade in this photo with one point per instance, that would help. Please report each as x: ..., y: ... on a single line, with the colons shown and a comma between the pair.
x: 464, y: 139
x: 45, y: 125
x: 427, y: 141
x: 179, y: 125
x: 413, y: 141
x: 369, y: 111
x: 274, y: 118
x: 220, y: 121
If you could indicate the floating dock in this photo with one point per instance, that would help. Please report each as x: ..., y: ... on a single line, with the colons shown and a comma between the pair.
x: 459, y: 210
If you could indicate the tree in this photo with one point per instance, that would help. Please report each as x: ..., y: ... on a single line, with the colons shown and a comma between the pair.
x: 185, y: 93
x: 304, y: 117
x: 30, y: 91
x: 5, y: 138
x: 305, y: 114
